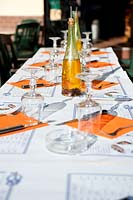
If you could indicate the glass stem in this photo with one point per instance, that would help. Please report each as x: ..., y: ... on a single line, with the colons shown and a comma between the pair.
x: 32, y: 85
x: 54, y: 44
x: 89, y: 90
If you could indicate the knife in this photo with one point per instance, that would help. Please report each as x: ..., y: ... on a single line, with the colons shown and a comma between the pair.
x: 37, y: 85
x: 17, y: 127
x: 85, y: 117
x: 92, y: 61
x: 93, y: 50
x: 63, y: 123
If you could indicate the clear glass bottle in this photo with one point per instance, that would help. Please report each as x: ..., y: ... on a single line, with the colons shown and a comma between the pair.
x: 77, y: 31
x: 71, y: 85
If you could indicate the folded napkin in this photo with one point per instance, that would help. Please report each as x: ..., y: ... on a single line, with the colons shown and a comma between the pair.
x: 45, y: 52
x: 98, y: 64
x: 40, y: 64
x: 99, y: 52
x: 98, y: 84
x: 43, y: 64
x: 114, y: 124
x: 41, y: 82
x: 17, y: 119
x: 108, y: 124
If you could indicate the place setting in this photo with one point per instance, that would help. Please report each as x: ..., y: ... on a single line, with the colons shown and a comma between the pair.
x: 43, y: 77
x: 28, y: 114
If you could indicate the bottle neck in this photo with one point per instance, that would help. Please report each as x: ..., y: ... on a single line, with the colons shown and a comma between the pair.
x: 71, y: 50
x: 77, y: 31
x: 76, y: 26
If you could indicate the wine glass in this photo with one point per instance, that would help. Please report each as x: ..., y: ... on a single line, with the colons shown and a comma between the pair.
x: 88, y: 110
x: 64, y: 41
x: 51, y: 70
x: 54, y: 49
x: 83, y: 54
x: 54, y: 52
x: 66, y: 140
x: 52, y: 73
x: 88, y: 44
x: 32, y: 102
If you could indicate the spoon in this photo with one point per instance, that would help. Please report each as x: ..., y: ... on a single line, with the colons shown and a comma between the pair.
x: 119, y: 129
x: 113, y: 108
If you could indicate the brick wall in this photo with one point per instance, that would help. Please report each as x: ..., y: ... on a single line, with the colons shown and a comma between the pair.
x: 8, y: 23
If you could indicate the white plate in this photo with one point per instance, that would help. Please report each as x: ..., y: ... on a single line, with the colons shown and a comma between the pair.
x: 8, y: 108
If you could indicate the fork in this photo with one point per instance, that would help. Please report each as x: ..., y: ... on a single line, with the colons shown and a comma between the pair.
x: 114, y: 133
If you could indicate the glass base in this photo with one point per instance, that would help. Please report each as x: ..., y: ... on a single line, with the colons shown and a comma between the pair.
x: 66, y: 140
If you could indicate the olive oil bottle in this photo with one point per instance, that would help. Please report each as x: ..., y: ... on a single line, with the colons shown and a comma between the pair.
x: 71, y: 85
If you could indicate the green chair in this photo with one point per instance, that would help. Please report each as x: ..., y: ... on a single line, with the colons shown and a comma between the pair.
x: 129, y: 70
x: 124, y: 53
x: 26, y: 38
x: 28, y: 20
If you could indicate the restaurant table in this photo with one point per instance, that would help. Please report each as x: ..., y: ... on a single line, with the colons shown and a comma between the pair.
x: 28, y: 171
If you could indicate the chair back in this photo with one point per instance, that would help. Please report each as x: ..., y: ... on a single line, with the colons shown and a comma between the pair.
x: 26, y: 38
x: 29, y: 20
x: 8, y: 59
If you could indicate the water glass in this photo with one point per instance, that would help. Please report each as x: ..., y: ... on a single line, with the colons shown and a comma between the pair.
x: 52, y: 73
x: 89, y: 117
x: 32, y: 106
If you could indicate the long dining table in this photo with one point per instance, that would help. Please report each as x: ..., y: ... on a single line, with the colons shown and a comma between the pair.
x: 29, y: 171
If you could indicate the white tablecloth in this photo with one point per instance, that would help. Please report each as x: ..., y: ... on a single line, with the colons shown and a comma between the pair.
x: 28, y: 171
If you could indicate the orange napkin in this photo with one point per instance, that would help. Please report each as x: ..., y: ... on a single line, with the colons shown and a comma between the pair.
x: 99, y: 52
x: 108, y: 123
x: 98, y: 84
x: 115, y: 123
x: 98, y: 64
x: 40, y: 64
x: 39, y: 81
x: 45, y: 52
x: 17, y: 119
x: 48, y: 52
